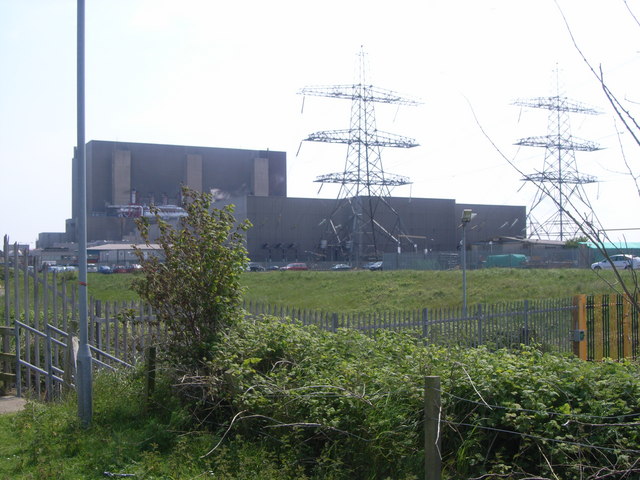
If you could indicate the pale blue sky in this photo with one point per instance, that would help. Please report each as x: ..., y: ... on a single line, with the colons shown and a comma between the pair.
x: 225, y: 74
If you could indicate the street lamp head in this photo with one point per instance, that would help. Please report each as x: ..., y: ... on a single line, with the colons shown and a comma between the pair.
x: 467, y: 214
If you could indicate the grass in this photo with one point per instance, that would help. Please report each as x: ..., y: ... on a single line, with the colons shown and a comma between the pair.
x: 115, y: 287
x: 47, y: 442
x: 365, y: 291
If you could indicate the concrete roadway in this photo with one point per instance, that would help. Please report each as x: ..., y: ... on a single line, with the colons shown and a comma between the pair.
x: 11, y: 404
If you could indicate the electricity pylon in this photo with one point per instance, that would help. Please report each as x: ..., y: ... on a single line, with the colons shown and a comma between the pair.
x: 363, y: 223
x: 559, y: 179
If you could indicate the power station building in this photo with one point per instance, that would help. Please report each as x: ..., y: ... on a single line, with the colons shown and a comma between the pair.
x: 124, y: 179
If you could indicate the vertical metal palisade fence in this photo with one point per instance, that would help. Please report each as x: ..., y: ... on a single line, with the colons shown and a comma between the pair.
x: 40, y: 322
x: 612, y: 327
x: 40, y: 328
x: 546, y: 323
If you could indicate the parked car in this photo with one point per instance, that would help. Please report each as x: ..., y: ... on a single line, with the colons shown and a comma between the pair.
x: 341, y: 266
x: 255, y: 267
x: 372, y: 265
x: 92, y: 268
x: 104, y: 269
x: 62, y: 268
x: 621, y: 262
x: 295, y: 266
x: 273, y: 267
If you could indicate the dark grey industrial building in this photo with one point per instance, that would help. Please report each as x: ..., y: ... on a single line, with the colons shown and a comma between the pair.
x: 122, y: 174
x: 123, y: 178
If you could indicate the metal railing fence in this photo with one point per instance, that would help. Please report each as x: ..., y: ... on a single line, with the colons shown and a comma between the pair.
x: 547, y: 323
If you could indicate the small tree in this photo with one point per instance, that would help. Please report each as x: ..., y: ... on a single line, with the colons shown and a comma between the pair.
x: 194, y: 283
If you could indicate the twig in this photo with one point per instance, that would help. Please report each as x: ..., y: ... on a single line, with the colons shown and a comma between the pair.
x: 225, y: 434
x: 548, y: 462
x: 472, y: 384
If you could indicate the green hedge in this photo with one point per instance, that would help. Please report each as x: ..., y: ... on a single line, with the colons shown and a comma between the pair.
x: 349, y: 406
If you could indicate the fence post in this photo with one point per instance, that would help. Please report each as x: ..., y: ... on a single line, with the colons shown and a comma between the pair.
x: 49, y: 365
x: 580, y: 326
x: 18, y: 369
x: 334, y: 322
x: 70, y: 360
x: 425, y: 325
x: 150, y: 375
x: 480, y: 332
x: 526, y: 323
x: 6, y: 376
x: 432, y: 457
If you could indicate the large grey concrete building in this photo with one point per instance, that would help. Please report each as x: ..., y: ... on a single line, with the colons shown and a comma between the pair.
x: 122, y: 175
x: 123, y: 179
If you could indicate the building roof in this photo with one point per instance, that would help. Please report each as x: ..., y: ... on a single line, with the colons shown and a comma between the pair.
x: 616, y: 246
x: 531, y: 241
x: 124, y: 246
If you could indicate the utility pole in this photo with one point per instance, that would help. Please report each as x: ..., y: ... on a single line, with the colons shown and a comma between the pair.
x: 83, y: 373
x: 467, y: 215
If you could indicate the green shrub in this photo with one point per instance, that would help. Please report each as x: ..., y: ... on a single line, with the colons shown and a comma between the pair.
x: 288, y: 402
x: 349, y: 406
x: 194, y: 287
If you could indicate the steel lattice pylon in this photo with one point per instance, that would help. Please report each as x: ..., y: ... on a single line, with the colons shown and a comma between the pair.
x: 363, y: 221
x: 559, y: 179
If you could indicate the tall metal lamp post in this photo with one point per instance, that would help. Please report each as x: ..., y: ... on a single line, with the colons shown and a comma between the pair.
x: 467, y: 215
x: 83, y: 371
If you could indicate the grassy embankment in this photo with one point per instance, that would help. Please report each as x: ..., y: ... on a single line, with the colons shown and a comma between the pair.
x: 365, y: 291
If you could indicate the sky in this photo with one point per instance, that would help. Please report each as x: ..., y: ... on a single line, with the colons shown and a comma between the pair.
x: 227, y: 74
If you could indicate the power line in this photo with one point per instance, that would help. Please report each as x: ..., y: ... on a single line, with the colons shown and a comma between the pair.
x: 543, y: 412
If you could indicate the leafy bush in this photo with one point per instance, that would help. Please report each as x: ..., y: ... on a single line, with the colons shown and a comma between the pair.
x: 194, y: 288
x: 287, y: 402
x: 349, y: 406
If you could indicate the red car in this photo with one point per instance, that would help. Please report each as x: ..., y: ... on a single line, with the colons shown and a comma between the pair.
x: 296, y: 266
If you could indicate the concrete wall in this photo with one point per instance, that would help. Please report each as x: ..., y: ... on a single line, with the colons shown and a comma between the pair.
x: 121, y: 175
x: 154, y: 174
x: 285, y: 229
x: 492, y: 221
x: 114, y: 169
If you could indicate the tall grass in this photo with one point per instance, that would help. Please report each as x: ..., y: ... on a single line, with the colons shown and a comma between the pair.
x: 364, y: 291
